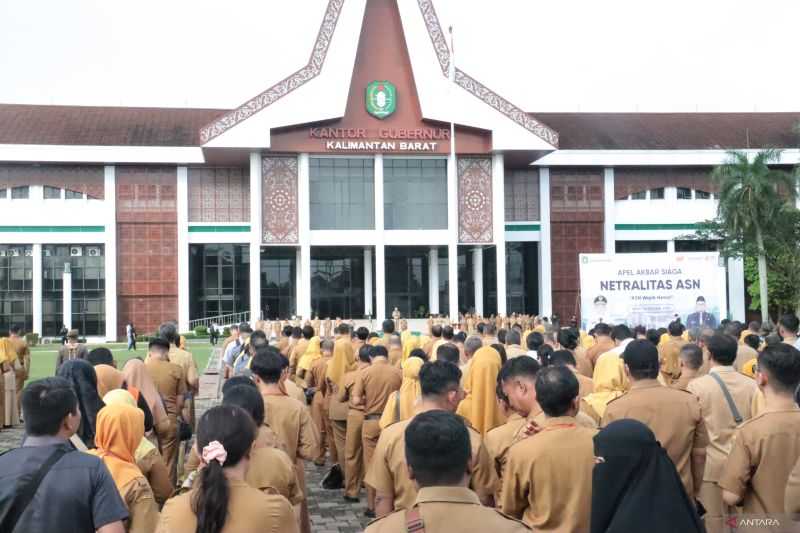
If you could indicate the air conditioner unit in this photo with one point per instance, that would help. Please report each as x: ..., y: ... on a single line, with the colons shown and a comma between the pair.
x: 14, y: 252
x: 93, y: 251
x: 75, y: 251
x: 3, y: 253
x: 28, y: 252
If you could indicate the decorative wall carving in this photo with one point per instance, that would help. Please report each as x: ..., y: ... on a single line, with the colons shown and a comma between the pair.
x: 279, y: 191
x: 299, y: 78
x: 219, y: 194
x: 475, y: 200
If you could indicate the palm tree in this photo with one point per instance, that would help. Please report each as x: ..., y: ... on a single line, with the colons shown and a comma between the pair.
x: 750, y: 196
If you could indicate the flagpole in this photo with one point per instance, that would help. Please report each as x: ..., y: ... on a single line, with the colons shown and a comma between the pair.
x: 452, y: 76
x: 452, y: 194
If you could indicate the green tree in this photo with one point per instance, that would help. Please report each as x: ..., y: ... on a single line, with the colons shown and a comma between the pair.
x: 752, y: 197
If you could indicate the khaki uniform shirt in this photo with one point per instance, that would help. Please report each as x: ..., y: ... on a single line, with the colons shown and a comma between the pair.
x: 316, y: 377
x: 744, y: 353
x: 791, y: 499
x: 682, y: 383
x: 184, y: 359
x: 23, y: 365
x: 548, y: 480
x: 248, y: 509
x: 271, y: 470
x: 601, y: 346
x: 374, y: 385
x: 348, y: 383
x: 585, y: 385
x: 450, y: 509
x: 155, y: 470
x: 765, y: 449
x: 497, y: 443
x: 717, y: 414
x: 515, y: 350
x: 388, y: 474
x: 169, y: 380
x: 674, y: 417
x: 582, y: 362
x: 291, y: 422
x: 141, y: 504
x: 669, y: 355
x: 66, y: 354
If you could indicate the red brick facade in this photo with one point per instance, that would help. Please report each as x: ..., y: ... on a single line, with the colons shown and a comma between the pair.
x: 576, y: 222
x: 147, y: 247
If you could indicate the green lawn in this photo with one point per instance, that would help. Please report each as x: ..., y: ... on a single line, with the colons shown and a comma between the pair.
x: 43, y: 358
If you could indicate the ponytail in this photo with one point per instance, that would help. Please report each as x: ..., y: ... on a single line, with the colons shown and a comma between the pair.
x: 211, y: 499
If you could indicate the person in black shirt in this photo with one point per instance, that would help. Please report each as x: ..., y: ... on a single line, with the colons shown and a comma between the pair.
x: 77, y: 494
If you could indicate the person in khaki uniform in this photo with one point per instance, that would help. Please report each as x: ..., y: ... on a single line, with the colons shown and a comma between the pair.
x: 22, y: 366
x: 171, y: 384
x: 372, y: 389
x: 288, y: 417
x: 673, y: 415
x: 437, y: 452
x: 320, y: 405
x: 225, y: 436
x: 513, y: 344
x: 669, y: 353
x: 548, y: 481
x: 720, y: 418
x: 342, y: 362
x: 766, y: 447
x: 569, y: 339
x: 602, y: 343
x: 567, y: 359
x: 691, y: 360
x: 791, y: 498
x: 184, y: 359
x: 354, y: 468
x: 441, y: 390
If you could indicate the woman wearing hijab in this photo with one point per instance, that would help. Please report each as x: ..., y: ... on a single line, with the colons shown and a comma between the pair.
x: 120, y: 429
x: 401, y: 404
x: 84, y: 381
x: 109, y: 379
x: 480, y: 405
x: 410, y: 342
x: 312, y: 353
x: 136, y: 377
x: 343, y: 361
x: 610, y: 382
x: 635, y: 486
x: 147, y: 456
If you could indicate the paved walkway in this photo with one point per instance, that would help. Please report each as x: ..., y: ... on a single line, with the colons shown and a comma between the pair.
x: 329, y: 512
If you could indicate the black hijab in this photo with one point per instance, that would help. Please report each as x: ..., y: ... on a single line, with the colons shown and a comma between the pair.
x: 84, y: 382
x: 637, y: 487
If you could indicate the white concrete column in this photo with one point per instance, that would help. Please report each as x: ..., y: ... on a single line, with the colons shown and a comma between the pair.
x: 499, y: 228
x: 66, y: 307
x: 184, y: 280
x: 736, y: 307
x: 609, y: 226
x: 545, y: 252
x: 298, y: 281
x: 110, y: 252
x: 380, y: 251
x: 256, y: 205
x: 670, y: 246
x: 36, y: 286
x: 367, y: 281
x: 304, y: 203
x: 452, y: 245
x: 433, y: 280
x: 477, y: 278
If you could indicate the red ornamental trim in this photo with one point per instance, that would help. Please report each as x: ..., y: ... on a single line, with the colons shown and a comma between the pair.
x: 294, y: 81
x: 475, y: 200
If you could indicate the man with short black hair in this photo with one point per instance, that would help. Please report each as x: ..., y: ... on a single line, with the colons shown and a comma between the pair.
x: 387, y: 475
x: 534, y: 341
x: 170, y: 381
x: 185, y: 360
x: 388, y: 328
x: 433, y: 343
x: 236, y: 348
x: 101, y: 356
x: 489, y: 334
x: 691, y: 360
x: 437, y: 452
x: 448, y: 352
x: 766, y: 447
x: 669, y: 351
x: 674, y: 416
x: 548, y: 478
x: 716, y: 390
x: 513, y: 346
x: 77, y: 493
x: 567, y: 359
x: 71, y: 350
x: 602, y: 342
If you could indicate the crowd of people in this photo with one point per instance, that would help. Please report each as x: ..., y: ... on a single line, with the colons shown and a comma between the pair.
x: 502, y: 424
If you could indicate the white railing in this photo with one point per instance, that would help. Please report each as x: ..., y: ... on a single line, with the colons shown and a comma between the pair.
x: 221, y: 320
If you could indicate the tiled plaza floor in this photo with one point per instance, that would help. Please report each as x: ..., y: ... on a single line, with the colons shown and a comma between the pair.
x: 329, y: 512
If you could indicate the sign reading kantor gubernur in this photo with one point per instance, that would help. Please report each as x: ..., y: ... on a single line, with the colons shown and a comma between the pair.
x: 653, y: 289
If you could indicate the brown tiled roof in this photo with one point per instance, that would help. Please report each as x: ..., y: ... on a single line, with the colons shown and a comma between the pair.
x: 154, y: 126
x: 109, y: 126
x: 672, y: 131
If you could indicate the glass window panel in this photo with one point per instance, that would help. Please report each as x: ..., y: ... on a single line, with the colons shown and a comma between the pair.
x: 415, y: 193
x: 342, y: 193
x: 684, y: 193
x: 20, y: 193
x: 657, y: 194
x: 219, y: 279
x: 73, y: 195
x: 702, y: 195
x: 641, y: 195
x: 51, y: 193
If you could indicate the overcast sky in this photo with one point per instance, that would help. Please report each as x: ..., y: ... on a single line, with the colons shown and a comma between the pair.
x: 556, y: 55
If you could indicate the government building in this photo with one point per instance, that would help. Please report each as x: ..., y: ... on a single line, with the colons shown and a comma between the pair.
x: 334, y: 193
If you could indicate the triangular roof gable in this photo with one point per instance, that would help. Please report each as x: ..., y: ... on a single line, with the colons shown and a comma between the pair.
x: 298, y: 81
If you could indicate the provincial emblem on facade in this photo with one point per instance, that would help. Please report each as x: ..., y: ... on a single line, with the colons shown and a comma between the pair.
x: 381, y: 99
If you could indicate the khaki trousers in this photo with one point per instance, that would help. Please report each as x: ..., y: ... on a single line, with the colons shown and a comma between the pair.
x: 10, y: 410
x: 353, y: 455
x: 320, y: 417
x: 339, y: 429
x: 167, y: 433
x: 716, y: 510
x: 303, y: 518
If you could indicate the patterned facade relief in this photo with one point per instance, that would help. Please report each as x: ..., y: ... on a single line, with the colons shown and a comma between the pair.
x: 279, y: 192
x: 147, y: 247
x: 475, y: 200
x: 84, y: 179
x: 219, y: 194
x: 630, y: 180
